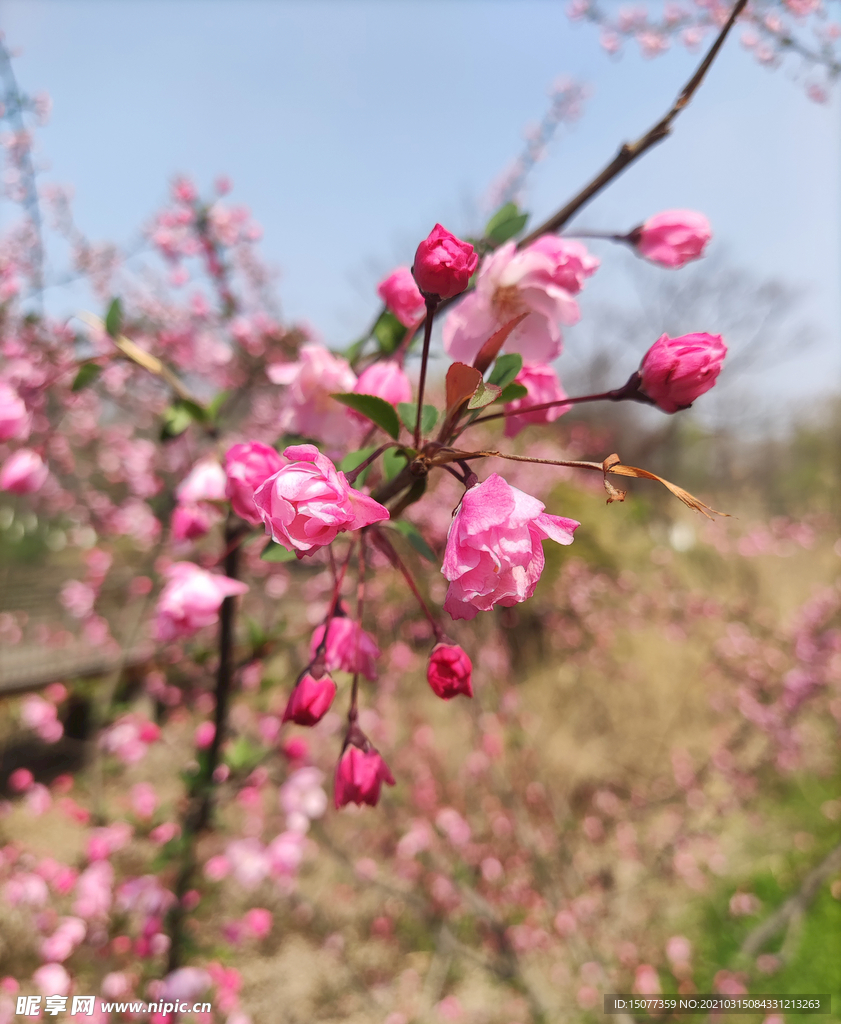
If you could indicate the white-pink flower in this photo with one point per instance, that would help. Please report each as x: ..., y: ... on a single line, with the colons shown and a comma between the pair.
x: 191, y: 600
x: 540, y: 280
x: 308, y: 408
x: 494, y: 549
x: 308, y: 503
x: 14, y: 416
x: 24, y: 472
x: 205, y: 482
x: 386, y: 380
x: 93, y: 890
x: 52, y: 980
x: 542, y: 385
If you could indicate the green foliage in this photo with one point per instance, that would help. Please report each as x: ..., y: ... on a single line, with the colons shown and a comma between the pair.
x: 505, y: 369
x: 389, y: 332
x: 394, y: 460
x: 507, y: 222
x: 512, y: 393
x: 86, y: 375
x: 179, y: 416
x: 373, y: 408
x: 274, y: 552
x: 114, y: 319
x: 409, y: 412
x: 414, y: 537
x: 354, y: 459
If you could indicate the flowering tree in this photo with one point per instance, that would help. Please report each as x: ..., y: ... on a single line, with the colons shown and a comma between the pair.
x: 177, y: 436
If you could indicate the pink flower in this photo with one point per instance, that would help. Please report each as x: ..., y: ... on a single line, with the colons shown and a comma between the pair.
x: 310, y: 700
x: 542, y: 385
x: 449, y: 671
x: 68, y: 935
x: 443, y: 264
x: 359, y: 776
x: 494, y: 553
x: 673, y: 238
x: 189, y: 522
x: 386, y: 380
x: 349, y: 648
x: 78, y: 598
x: 400, y: 293
x: 191, y: 600
x: 52, y: 980
x: 308, y: 408
x: 539, y: 280
x: 20, y: 780
x: 676, y: 371
x: 302, y: 799
x: 144, y: 799
x: 93, y: 890
x: 249, y: 861
x: 14, y: 417
x: 258, y: 921
x: 306, y: 504
x: 247, y: 466
x: 23, y: 472
x: 205, y: 482
x: 203, y: 736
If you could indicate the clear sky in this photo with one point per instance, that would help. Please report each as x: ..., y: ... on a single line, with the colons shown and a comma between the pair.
x: 350, y: 126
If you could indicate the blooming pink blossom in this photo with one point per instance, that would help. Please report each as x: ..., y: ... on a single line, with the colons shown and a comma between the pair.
x: 443, y: 264
x: 359, y: 776
x: 41, y: 716
x: 494, y: 553
x: 248, y: 860
x: 203, y: 736
x: 673, y: 238
x: 400, y: 293
x: 539, y: 280
x: 310, y: 701
x: 307, y: 503
x: 308, y: 408
x: 24, y: 472
x: 349, y: 648
x: 285, y: 853
x: 205, y: 482
x: 144, y: 799
x: 78, y: 598
x: 191, y: 600
x: 93, y: 890
x: 20, y: 780
x: 68, y: 935
x: 676, y: 371
x: 386, y: 380
x: 302, y: 798
x: 189, y: 522
x: 449, y: 672
x: 542, y: 385
x: 258, y: 921
x: 52, y: 980
x: 247, y: 466
x: 14, y: 417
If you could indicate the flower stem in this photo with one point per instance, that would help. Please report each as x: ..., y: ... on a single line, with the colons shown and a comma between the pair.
x: 431, y: 305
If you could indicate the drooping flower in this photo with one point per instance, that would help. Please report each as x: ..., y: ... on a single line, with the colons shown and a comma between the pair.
x: 449, y: 671
x: 443, y: 264
x: 494, y: 551
x: 400, y: 293
x: 542, y: 385
x: 24, y: 472
x: 676, y: 371
x: 539, y: 280
x: 308, y: 408
x: 673, y: 238
x: 348, y: 649
x: 247, y: 466
x: 359, y: 777
x: 386, y: 380
x: 191, y: 600
x: 14, y: 416
x: 310, y: 701
x: 308, y: 502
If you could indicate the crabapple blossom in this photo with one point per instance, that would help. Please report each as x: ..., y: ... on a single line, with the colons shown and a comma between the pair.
x: 15, y: 420
x: 309, y: 408
x: 449, y: 671
x: 308, y: 502
x: 191, y: 600
x: 676, y: 371
x: 205, y: 482
x: 310, y: 700
x: 348, y: 648
x: 494, y: 551
x: 302, y: 798
x: 443, y: 264
x: 400, y: 293
x: 24, y: 472
x: 359, y: 776
x: 539, y: 280
x: 247, y: 467
x: 542, y: 385
x: 673, y: 238
x: 189, y: 522
x: 52, y: 979
x: 386, y: 380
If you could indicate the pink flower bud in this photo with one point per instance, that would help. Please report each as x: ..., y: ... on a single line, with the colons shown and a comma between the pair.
x: 14, y: 418
x: 386, y: 380
x: 443, y: 264
x: 310, y: 700
x: 449, y: 671
x: 400, y: 293
x: 359, y: 776
x: 308, y: 503
x: 676, y: 371
x: 673, y: 238
x: 349, y: 648
x: 23, y: 473
x: 247, y: 467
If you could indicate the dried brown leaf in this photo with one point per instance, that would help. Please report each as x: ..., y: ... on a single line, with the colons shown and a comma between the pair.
x: 688, y: 499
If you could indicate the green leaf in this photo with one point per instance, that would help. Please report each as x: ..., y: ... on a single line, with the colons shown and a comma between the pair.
x: 243, y: 754
x: 216, y: 404
x: 409, y: 412
x: 354, y: 351
x: 505, y: 223
x: 274, y: 552
x: 484, y: 395
x: 506, y: 369
x: 414, y: 537
x: 176, y: 419
x: 393, y: 461
x: 389, y: 332
x: 354, y: 459
x: 378, y: 410
x: 194, y: 410
x: 512, y: 392
x: 88, y: 372
x: 114, y: 318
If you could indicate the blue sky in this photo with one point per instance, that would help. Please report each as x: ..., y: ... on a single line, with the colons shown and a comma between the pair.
x: 350, y: 126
